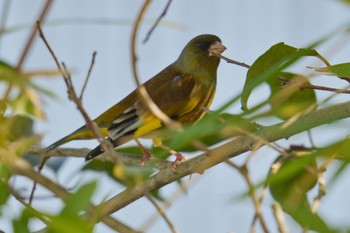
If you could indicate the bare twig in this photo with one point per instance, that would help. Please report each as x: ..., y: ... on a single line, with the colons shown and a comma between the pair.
x: 88, y: 75
x: 278, y: 213
x: 21, y: 167
x: 105, y: 144
x: 40, y: 167
x: 30, y: 40
x: 323, y: 88
x: 305, y: 85
x: 22, y: 201
x: 321, y: 183
x: 28, y: 45
x: 228, y: 60
x: 321, y: 192
x: 168, y: 203
x: 141, y: 90
x: 161, y: 212
x: 4, y: 15
x: 261, y: 198
x: 157, y: 21
x: 243, y: 170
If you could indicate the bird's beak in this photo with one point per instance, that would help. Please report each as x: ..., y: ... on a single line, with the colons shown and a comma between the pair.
x: 216, y: 48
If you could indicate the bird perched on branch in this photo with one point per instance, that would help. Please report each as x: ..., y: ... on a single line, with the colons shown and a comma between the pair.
x: 183, y: 91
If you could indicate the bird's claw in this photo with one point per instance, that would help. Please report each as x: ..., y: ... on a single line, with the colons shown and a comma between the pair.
x: 179, y: 158
x: 145, y: 158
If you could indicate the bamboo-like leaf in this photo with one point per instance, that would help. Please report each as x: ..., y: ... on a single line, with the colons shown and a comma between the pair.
x: 269, y: 66
x: 289, y: 185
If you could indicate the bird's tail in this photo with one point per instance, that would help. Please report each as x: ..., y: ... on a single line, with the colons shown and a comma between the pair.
x: 83, y: 133
x: 99, y: 150
x: 93, y: 153
x: 59, y: 142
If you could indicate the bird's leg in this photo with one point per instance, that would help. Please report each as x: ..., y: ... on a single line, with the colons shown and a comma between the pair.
x: 145, y: 152
x: 179, y: 156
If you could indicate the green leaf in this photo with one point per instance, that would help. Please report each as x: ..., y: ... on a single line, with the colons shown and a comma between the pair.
x: 269, y: 65
x: 21, y: 225
x: 20, y: 126
x: 340, y: 149
x: 5, y: 174
x: 292, y: 171
x: 28, y: 102
x: 288, y: 97
x: 341, y: 70
x: 127, y: 175
x: 289, y: 184
x: 69, y: 221
x: 69, y: 224
x: 12, y: 76
x: 345, y: 1
x: 212, y: 129
x: 80, y: 200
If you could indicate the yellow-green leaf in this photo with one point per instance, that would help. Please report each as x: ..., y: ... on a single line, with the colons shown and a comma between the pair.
x: 341, y: 70
x: 269, y: 66
x: 289, y: 97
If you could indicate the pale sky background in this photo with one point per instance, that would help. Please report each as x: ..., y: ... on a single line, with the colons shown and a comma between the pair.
x: 247, y: 28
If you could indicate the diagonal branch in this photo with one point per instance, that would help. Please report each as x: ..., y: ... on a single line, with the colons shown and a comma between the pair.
x: 21, y: 167
x: 221, y: 153
x: 72, y: 95
x: 149, y: 33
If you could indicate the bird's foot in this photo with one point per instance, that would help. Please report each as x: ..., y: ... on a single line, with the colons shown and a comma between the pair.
x: 145, y: 152
x: 179, y: 158
x: 146, y: 156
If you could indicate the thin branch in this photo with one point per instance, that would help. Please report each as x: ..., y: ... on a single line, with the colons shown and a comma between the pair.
x: 278, y: 213
x: 321, y: 193
x: 28, y: 206
x: 228, y: 60
x: 21, y: 167
x: 157, y: 21
x: 161, y: 212
x: 261, y: 198
x: 168, y: 203
x: 141, y: 90
x: 105, y: 144
x: 321, y: 183
x: 30, y: 40
x: 243, y: 170
x: 88, y: 75
x: 306, y: 85
x: 4, y: 17
x: 133, y: 40
x: 40, y: 167
x: 323, y: 88
x: 28, y: 45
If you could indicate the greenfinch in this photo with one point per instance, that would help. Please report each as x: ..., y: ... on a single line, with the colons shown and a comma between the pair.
x: 183, y: 91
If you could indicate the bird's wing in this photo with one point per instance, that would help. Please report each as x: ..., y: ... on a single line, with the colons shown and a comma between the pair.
x: 171, y: 91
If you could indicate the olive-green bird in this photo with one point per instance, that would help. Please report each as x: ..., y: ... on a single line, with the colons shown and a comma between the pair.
x: 183, y: 91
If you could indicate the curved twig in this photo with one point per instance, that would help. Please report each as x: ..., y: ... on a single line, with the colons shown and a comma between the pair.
x: 141, y: 90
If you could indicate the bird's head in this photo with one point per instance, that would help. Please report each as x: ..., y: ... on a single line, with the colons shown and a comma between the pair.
x: 198, y: 54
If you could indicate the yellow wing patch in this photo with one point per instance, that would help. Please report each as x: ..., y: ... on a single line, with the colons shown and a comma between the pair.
x: 149, y: 123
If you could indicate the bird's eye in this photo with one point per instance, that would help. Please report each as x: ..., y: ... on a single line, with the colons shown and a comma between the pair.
x: 202, y: 45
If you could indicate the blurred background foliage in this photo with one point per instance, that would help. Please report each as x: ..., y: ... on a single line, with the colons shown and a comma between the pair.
x: 295, y: 172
